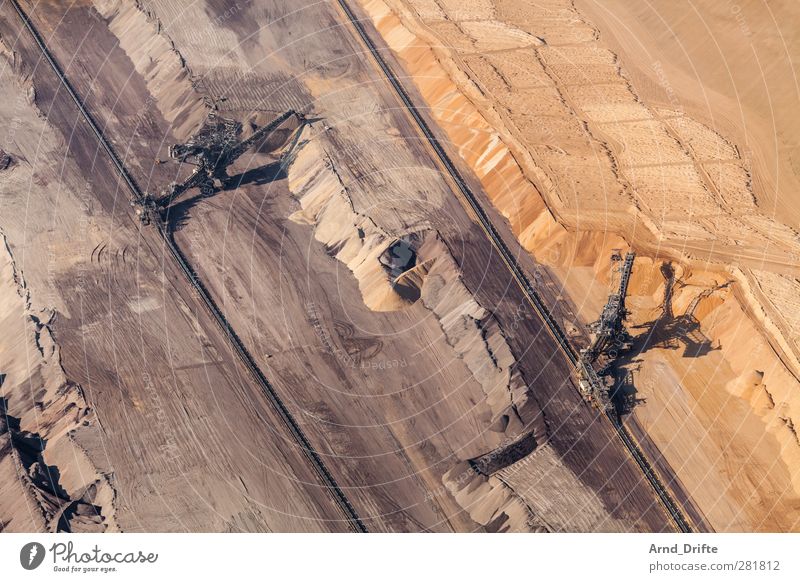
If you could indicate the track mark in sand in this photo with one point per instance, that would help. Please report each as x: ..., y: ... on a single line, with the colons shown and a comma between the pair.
x: 119, y: 261
x: 198, y: 287
x: 474, y: 208
x: 357, y: 348
x: 97, y: 251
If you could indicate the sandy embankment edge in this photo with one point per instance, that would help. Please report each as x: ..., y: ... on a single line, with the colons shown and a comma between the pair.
x: 523, y: 193
x: 41, y: 412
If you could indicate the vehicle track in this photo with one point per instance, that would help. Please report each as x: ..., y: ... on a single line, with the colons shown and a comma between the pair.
x: 669, y: 505
x: 324, y: 475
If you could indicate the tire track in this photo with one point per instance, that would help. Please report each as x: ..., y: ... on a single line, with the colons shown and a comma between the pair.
x: 314, y: 459
x: 669, y: 505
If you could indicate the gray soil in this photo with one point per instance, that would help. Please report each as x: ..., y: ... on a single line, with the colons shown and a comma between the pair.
x: 390, y: 399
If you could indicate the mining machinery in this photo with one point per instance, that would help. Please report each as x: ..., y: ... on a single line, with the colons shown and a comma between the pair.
x: 211, y: 150
x: 609, y: 329
x: 610, y: 335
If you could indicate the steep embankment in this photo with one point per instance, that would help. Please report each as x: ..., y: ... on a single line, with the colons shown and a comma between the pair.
x: 397, y: 270
x: 48, y: 481
x: 154, y: 56
x: 579, y: 164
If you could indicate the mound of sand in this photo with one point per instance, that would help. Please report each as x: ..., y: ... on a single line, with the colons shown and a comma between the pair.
x: 396, y: 271
x: 352, y: 238
x: 168, y: 79
x: 490, y: 502
x: 40, y: 410
x: 579, y: 163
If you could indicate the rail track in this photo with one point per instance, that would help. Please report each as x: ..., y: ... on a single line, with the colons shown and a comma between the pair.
x: 670, y: 506
x: 322, y: 472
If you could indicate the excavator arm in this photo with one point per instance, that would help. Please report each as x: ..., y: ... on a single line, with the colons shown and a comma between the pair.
x: 213, y: 149
x: 198, y: 177
x: 237, y: 150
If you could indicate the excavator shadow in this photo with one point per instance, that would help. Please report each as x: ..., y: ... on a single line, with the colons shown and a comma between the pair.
x: 624, y: 395
x: 178, y: 215
x: 258, y: 176
x: 670, y: 331
x: 212, y: 150
x: 667, y: 331
x: 672, y: 334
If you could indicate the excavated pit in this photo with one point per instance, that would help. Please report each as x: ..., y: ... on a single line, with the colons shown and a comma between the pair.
x: 579, y: 163
x: 330, y: 274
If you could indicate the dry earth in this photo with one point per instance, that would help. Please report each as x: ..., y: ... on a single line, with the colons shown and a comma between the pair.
x: 588, y: 139
x: 353, y: 275
x: 119, y: 394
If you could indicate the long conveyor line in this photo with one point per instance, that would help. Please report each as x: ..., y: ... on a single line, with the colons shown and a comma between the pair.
x: 669, y: 505
x: 324, y: 475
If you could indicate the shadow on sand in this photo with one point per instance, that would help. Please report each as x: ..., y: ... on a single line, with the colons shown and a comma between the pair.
x: 179, y: 213
x: 667, y: 331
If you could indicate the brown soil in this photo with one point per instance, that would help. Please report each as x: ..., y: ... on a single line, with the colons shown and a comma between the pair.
x: 581, y: 159
x: 129, y: 423
x: 399, y: 374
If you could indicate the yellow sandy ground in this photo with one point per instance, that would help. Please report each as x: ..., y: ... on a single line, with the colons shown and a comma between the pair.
x: 581, y: 160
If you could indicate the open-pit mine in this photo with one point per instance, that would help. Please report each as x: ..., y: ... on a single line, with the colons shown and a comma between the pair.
x: 398, y: 266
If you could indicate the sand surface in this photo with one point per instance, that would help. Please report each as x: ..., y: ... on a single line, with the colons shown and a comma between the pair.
x: 588, y: 135
x: 399, y: 376
x: 162, y: 413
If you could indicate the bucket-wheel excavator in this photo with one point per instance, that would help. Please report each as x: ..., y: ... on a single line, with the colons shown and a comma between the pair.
x: 609, y: 330
x: 212, y: 149
x: 610, y: 335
